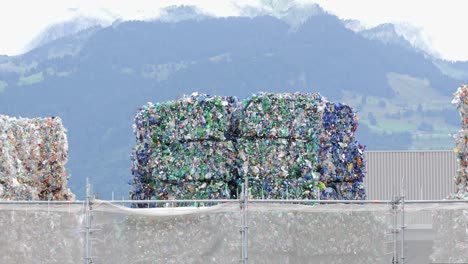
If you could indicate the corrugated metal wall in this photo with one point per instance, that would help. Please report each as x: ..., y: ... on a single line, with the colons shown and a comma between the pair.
x: 425, y: 174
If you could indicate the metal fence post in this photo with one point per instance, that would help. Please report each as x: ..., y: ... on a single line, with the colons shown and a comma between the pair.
x: 244, y: 200
x: 395, y: 259
x: 88, y: 258
x: 242, y: 227
x: 246, y: 227
x: 403, y: 227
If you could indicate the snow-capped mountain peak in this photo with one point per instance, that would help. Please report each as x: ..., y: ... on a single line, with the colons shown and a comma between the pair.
x: 402, y: 34
x: 66, y: 28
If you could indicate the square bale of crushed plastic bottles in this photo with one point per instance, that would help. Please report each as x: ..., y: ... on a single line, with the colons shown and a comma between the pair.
x: 33, y: 157
x: 285, y: 115
x: 341, y: 161
x: 194, y: 117
x: 184, y: 190
x: 277, y: 158
x: 339, y: 119
x: 345, y: 191
x: 203, y: 161
x: 304, y: 188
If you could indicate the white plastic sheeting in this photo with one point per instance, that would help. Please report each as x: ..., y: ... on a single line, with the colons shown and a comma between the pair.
x: 278, y: 233
x: 41, y: 234
x: 451, y: 235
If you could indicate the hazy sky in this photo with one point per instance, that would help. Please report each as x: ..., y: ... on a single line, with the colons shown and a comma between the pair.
x: 443, y: 23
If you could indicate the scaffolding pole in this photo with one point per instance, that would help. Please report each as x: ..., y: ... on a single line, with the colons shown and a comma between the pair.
x: 246, y: 221
x: 242, y: 225
x: 402, y: 227
x: 395, y: 201
x: 243, y: 202
x: 88, y: 227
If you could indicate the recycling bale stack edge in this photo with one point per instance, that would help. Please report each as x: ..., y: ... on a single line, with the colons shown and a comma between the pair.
x: 461, y: 142
x: 342, y: 160
x: 184, y: 149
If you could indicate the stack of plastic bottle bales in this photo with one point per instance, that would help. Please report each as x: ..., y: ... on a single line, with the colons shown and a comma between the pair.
x: 184, y: 149
x: 461, y: 141
x: 33, y: 154
x: 342, y: 160
x: 277, y: 145
x: 287, y: 146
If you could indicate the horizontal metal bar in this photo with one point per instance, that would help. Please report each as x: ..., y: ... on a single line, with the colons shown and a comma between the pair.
x: 168, y: 201
x: 40, y: 202
x: 435, y: 201
x: 236, y: 200
x: 357, y: 201
x: 322, y: 201
x: 250, y: 201
x: 408, y: 151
